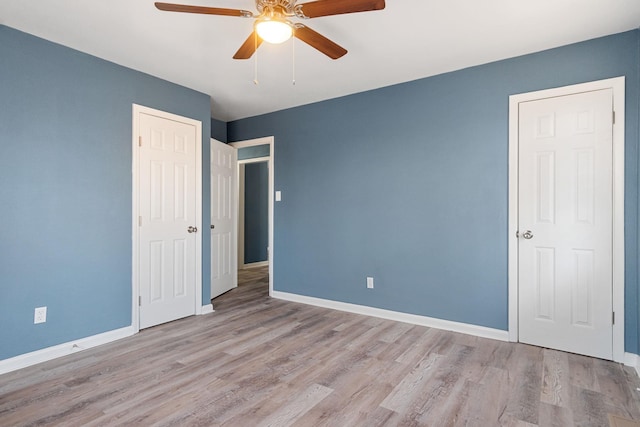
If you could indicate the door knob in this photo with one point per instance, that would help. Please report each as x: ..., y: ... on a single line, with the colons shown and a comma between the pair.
x: 213, y: 226
x: 192, y: 229
x: 527, y: 234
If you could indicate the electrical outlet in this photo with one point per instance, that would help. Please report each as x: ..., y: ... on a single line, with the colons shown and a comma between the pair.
x: 369, y: 282
x: 40, y: 315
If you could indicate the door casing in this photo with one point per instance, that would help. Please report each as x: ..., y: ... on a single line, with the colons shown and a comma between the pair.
x: 250, y: 143
x: 135, y: 283
x: 618, y: 86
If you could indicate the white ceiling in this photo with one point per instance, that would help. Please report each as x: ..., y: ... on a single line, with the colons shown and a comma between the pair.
x: 408, y: 40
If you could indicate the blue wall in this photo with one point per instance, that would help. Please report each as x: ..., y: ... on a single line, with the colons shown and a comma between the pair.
x: 65, y: 189
x: 219, y: 130
x: 256, y: 212
x: 408, y: 184
x: 254, y: 151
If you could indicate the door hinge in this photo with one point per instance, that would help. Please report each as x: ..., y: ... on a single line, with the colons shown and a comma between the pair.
x: 140, y: 301
x: 139, y: 221
x: 614, y: 117
x: 139, y: 141
x: 613, y: 318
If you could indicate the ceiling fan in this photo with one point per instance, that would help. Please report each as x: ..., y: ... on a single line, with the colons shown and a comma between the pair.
x: 272, y: 22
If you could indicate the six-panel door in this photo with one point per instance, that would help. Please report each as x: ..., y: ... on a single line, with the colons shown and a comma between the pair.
x: 167, y: 206
x: 565, y: 203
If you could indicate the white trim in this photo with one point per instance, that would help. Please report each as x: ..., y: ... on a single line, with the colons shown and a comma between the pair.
x: 50, y: 353
x: 414, y: 319
x: 632, y: 360
x: 240, y: 226
x: 206, y: 309
x: 254, y: 160
x: 250, y: 143
x: 618, y: 86
x: 135, y: 285
x: 255, y: 265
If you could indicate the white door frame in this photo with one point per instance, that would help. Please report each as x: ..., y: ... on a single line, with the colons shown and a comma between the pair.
x: 251, y: 143
x: 618, y: 86
x: 135, y: 283
x: 241, y: 187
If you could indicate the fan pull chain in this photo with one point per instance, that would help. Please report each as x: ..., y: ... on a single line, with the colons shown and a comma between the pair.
x: 293, y: 48
x: 255, y: 67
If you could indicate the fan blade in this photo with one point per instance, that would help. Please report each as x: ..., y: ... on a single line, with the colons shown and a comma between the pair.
x: 248, y: 47
x: 318, y: 41
x: 170, y: 7
x: 318, y: 8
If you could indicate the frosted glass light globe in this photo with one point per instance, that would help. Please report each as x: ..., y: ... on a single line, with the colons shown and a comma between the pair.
x: 274, y: 31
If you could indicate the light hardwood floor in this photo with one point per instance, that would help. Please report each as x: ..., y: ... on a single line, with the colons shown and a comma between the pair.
x: 258, y: 361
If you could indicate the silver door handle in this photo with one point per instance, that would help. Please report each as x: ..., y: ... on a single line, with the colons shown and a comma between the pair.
x: 527, y: 234
x: 192, y: 229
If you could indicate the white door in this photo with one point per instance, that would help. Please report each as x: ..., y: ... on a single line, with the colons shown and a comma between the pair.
x: 224, y: 261
x: 565, y: 223
x: 167, y: 208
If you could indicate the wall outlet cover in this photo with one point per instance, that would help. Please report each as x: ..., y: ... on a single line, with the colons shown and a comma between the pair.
x: 40, y: 315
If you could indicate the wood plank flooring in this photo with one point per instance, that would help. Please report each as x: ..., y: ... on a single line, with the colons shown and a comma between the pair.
x: 258, y: 361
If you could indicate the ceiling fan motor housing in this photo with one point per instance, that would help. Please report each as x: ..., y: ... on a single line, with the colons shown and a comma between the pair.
x: 278, y: 7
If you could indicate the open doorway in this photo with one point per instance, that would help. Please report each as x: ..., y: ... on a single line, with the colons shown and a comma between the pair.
x: 255, y: 213
x: 253, y: 224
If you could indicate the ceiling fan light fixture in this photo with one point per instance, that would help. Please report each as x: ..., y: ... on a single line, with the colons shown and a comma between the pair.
x: 274, y: 31
x: 272, y: 23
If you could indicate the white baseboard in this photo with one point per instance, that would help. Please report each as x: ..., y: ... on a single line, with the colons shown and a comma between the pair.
x: 632, y: 360
x: 415, y: 319
x: 206, y: 309
x: 255, y: 264
x: 49, y: 353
